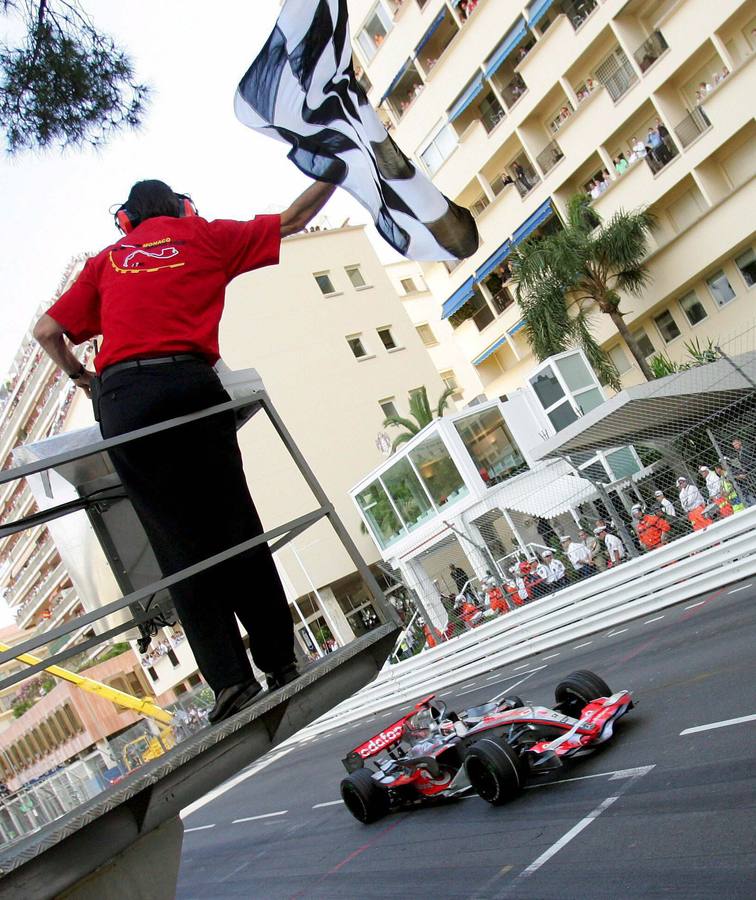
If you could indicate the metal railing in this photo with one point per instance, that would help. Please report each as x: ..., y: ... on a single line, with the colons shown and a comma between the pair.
x: 549, y: 157
x: 650, y: 50
x: 578, y: 11
x: 695, y: 123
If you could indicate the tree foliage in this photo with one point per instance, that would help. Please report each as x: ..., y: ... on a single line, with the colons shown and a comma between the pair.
x: 64, y: 82
x: 563, y: 277
x: 421, y: 412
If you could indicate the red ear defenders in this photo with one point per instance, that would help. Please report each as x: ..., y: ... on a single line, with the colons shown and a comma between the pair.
x: 125, y: 222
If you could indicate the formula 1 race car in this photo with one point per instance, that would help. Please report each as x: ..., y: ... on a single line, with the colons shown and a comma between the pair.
x: 432, y: 753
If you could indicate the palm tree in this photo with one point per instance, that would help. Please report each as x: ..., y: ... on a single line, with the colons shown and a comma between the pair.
x: 561, y: 277
x: 421, y: 412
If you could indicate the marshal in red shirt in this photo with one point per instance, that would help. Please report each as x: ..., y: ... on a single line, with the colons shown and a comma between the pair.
x: 161, y: 289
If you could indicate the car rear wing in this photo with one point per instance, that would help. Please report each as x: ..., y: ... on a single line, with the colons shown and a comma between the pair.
x: 386, y: 739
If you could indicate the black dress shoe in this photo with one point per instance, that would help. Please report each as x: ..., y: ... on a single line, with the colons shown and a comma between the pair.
x: 280, y: 677
x: 233, y: 699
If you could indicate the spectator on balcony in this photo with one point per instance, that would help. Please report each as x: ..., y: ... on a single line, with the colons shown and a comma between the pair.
x: 664, y: 134
x: 621, y: 165
x: 564, y: 113
x: 704, y: 88
x: 521, y: 178
x: 638, y: 148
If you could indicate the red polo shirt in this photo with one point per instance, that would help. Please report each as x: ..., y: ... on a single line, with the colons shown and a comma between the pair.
x: 160, y: 289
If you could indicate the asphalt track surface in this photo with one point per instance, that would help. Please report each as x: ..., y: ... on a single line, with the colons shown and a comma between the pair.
x: 659, y: 811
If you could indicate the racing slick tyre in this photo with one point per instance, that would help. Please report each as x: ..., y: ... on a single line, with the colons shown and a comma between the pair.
x: 497, y: 773
x: 578, y: 690
x: 366, y: 800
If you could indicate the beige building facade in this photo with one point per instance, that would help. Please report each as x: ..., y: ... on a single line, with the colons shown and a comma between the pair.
x: 513, y: 108
x: 329, y: 335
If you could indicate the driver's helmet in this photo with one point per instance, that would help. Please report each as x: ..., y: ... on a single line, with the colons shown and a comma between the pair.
x: 420, y: 726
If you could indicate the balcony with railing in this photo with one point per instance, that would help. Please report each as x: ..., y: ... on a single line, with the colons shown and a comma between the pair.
x: 47, y: 582
x: 650, y: 51
x: 695, y: 123
x: 578, y: 11
x: 616, y: 74
x: 549, y: 156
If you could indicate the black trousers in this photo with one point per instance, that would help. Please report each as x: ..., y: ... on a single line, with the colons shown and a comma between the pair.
x: 188, y: 488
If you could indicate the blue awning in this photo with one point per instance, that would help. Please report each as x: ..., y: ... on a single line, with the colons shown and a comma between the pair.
x: 397, y: 79
x: 492, y: 349
x: 515, y: 328
x: 497, y: 257
x: 429, y: 33
x: 457, y: 299
x: 505, y: 48
x: 537, y: 10
x: 529, y: 225
x: 461, y: 103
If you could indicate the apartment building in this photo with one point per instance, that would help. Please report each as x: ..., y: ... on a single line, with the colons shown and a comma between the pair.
x: 513, y: 108
x: 38, y: 401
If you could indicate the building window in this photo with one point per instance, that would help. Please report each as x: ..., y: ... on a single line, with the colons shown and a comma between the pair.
x: 355, y: 276
x: 356, y: 345
x: 694, y: 310
x: 450, y: 381
x: 492, y: 448
x: 437, y: 149
x: 389, y: 408
x: 620, y: 360
x: 412, y: 285
x: 379, y: 514
x: 373, y: 33
x: 438, y: 472
x: 720, y: 287
x: 387, y: 339
x: 426, y: 335
x: 324, y: 282
x: 746, y: 263
x: 667, y: 326
x: 644, y: 343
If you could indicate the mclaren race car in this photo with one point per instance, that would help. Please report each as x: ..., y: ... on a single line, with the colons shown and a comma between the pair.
x: 432, y: 753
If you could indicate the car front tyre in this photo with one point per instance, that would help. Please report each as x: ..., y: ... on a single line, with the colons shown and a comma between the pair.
x: 365, y: 799
x: 579, y: 689
x: 496, y: 772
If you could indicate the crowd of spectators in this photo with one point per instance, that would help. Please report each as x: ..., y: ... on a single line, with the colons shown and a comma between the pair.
x: 162, y: 648
x: 657, y: 149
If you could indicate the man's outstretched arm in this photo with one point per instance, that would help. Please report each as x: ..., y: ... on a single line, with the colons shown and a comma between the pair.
x: 50, y: 335
x: 305, y: 207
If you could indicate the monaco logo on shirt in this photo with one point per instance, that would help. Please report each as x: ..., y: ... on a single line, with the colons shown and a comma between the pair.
x: 151, y: 256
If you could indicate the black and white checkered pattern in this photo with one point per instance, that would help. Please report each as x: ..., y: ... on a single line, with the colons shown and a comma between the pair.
x: 301, y: 89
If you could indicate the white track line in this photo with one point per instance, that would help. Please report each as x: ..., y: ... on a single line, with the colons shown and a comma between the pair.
x: 330, y: 803
x: 694, y: 605
x: 735, y: 590
x: 281, y: 812
x: 523, y: 666
x: 582, y: 645
x: 198, y: 828
x: 583, y: 823
x: 723, y: 724
x: 655, y: 619
x: 232, y: 782
x: 612, y: 776
x: 621, y: 631
x: 468, y: 691
x: 553, y: 656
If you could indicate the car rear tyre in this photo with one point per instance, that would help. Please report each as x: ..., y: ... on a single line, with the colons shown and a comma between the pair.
x: 497, y: 773
x: 579, y: 689
x: 365, y: 799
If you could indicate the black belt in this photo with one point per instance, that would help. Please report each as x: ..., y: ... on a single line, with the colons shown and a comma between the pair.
x: 153, y: 361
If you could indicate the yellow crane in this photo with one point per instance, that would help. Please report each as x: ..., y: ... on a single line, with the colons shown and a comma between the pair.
x: 121, y: 698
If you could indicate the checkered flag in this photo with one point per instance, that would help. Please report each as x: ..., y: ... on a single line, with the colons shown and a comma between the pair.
x: 302, y: 89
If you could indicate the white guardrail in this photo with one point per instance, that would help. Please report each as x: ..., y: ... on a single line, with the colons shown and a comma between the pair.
x: 696, y: 564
